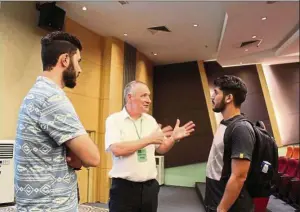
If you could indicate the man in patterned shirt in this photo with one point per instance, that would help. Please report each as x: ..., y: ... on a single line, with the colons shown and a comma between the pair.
x: 47, y: 125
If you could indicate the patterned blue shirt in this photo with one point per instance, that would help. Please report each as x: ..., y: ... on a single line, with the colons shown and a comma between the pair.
x: 43, y: 180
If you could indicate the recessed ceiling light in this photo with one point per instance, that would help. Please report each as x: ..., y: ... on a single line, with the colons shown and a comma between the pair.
x: 154, y: 53
x: 254, y: 36
x: 125, y: 34
x: 264, y: 18
x: 195, y: 25
x: 246, y: 50
x: 84, y: 8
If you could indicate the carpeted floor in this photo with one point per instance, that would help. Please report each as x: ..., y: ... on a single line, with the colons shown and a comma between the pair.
x: 175, y: 199
x: 277, y: 205
x: 179, y: 199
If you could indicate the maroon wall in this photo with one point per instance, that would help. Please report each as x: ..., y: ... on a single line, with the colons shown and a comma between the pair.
x: 178, y: 93
x: 254, y: 106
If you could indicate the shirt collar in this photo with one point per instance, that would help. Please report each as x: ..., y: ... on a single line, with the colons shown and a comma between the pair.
x: 49, y: 82
x: 228, y: 121
x: 126, y: 114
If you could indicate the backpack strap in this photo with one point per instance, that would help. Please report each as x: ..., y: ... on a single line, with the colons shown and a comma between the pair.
x: 230, y: 128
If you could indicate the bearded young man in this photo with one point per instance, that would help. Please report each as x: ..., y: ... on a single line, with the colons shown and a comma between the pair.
x: 228, y: 164
x: 47, y: 127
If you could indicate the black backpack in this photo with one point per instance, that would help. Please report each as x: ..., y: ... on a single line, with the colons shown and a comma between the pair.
x: 258, y: 183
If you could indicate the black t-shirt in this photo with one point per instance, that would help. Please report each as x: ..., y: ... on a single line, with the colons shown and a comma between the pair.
x: 218, y: 168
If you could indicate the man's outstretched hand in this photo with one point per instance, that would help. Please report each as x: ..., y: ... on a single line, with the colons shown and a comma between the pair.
x: 184, y: 131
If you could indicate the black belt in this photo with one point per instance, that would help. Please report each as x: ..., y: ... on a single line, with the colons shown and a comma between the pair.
x: 148, y: 182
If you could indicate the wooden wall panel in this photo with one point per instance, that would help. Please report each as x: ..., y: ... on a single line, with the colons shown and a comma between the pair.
x: 283, y: 84
x: 86, y: 97
x: 270, y: 106
x: 178, y: 93
x: 110, y: 102
x: 129, y: 65
x: 206, y: 90
x: 144, y: 73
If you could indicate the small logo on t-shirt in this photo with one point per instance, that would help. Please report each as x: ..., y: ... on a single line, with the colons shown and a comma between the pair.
x: 241, y: 155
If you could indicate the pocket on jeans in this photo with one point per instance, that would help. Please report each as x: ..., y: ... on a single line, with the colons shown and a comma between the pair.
x: 157, y: 185
x: 114, y: 189
x: 119, y: 191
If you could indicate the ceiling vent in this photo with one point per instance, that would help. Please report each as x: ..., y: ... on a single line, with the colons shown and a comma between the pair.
x: 157, y: 29
x: 123, y: 2
x: 251, y: 43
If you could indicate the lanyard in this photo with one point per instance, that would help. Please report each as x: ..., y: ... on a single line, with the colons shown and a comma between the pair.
x: 138, y: 134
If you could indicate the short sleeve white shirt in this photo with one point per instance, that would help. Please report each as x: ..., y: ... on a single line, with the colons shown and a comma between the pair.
x: 120, y: 127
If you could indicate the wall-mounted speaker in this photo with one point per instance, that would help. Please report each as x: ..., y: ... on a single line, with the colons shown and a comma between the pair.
x: 52, y: 17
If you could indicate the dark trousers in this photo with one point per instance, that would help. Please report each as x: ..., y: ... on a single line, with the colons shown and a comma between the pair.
x: 128, y: 196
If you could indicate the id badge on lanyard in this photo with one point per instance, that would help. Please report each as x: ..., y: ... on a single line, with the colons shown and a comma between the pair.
x: 141, y: 153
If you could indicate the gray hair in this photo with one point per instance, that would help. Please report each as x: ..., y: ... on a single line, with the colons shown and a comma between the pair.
x: 128, y: 88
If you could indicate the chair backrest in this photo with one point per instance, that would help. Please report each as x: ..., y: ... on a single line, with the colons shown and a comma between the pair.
x: 296, y: 153
x: 298, y: 171
x: 292, y: 167
x: 289, y: 152
x: 282, y: 164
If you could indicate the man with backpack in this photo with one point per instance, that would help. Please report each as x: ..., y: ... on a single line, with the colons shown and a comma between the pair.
x: 236, y: 153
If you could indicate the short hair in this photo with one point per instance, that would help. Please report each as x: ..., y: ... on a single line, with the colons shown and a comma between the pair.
x: 55, y: 44
x: 232, y: 85
x: 128, y: 88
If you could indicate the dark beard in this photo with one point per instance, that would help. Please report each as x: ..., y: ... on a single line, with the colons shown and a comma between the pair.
x: 221, y: 106
x: 69, y: 76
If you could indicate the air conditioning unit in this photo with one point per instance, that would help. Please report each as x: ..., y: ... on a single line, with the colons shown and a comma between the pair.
x: 7, y: 171
x: 160, y: 166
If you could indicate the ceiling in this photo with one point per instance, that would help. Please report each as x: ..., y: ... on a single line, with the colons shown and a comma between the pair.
x: 222, y: 27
